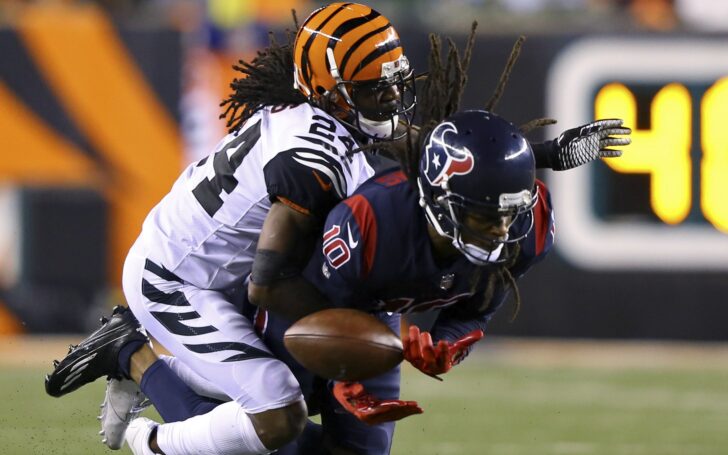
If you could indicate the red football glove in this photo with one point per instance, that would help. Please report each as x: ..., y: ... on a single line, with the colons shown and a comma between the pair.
x: 434, y: 360
x: 368, y: 408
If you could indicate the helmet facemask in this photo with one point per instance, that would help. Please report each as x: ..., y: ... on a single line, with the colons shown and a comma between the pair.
x: 447, y: 211
x: 375, y: 123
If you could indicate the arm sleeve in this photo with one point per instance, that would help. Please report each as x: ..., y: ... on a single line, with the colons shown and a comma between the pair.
x: 307, y: 180
x: 458, y: 320
x: 543, y: 152
x: 452, y: 323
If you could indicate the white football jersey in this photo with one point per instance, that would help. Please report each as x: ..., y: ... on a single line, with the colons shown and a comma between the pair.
x: 206, y: 229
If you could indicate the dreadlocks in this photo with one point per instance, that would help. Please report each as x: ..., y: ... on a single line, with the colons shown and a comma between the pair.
x: 441, y: 93
x: 267, y: 81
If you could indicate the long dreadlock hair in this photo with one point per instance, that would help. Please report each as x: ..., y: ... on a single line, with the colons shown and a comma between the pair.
x: 438, y: 98
x: 267, y: 81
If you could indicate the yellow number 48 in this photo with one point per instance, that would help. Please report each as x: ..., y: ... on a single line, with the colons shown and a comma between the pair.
x: 663, y: 151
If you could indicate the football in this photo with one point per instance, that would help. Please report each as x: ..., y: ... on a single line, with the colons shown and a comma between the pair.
x: 343, y: 344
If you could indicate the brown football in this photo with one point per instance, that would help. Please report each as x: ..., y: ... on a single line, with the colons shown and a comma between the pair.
x: 343, y: 344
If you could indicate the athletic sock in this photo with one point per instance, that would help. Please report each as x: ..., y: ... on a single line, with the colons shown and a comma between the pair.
x: 226, y: 430
x: 125, y: 353
x: 174, y: 400
x: 310, y: 441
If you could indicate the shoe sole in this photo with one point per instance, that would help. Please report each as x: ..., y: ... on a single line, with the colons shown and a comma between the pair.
x: 70, y: 371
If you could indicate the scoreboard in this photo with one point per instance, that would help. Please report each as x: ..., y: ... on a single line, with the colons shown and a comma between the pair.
x: 663, y: 205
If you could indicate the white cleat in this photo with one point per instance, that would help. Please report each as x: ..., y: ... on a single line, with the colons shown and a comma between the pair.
x: 137, y: 435
x: 123, y: 403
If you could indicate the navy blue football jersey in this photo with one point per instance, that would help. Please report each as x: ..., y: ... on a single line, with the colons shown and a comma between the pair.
x: 376, y: 255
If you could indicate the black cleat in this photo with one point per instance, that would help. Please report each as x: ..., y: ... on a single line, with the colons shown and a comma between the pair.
x: 96, y: 356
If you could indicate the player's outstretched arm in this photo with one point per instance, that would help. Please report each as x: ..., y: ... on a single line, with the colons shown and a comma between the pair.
x: 276, y: 284
x: 370, y: 409
x: 583, y: 144
x: 431, y: 359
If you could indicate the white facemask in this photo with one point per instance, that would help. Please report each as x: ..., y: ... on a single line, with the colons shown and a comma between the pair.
x: 475, y: 254
x: 381, y: 130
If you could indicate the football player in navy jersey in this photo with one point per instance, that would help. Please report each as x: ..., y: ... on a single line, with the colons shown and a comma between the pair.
x: 250, y: 213
x: 454, y: 237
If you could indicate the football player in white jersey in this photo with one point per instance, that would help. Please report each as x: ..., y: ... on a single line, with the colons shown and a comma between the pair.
x: 249, y: 211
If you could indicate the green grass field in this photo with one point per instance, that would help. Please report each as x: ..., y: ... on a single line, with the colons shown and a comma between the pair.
x: 506, y: 402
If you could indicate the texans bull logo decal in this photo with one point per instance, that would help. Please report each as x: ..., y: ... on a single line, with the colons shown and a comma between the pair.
x: 444, y: 160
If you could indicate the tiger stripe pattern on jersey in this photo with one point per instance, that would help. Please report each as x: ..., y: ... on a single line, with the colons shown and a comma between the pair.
x: 179, y: 310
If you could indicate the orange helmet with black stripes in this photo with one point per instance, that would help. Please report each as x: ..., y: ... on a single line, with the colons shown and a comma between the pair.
x: 348, y: 59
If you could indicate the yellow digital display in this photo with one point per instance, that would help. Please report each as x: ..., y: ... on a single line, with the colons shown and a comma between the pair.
x: 662, y: 205
x: 714, y: 165
x: 663, y: 150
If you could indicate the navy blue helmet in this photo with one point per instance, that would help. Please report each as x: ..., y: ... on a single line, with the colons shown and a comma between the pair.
x: 475, y: 163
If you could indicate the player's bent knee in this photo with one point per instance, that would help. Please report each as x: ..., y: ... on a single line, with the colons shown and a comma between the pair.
x: 278, y: 427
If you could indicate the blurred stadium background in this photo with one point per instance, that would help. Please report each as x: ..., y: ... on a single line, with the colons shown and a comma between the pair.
x: 620, y: 345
